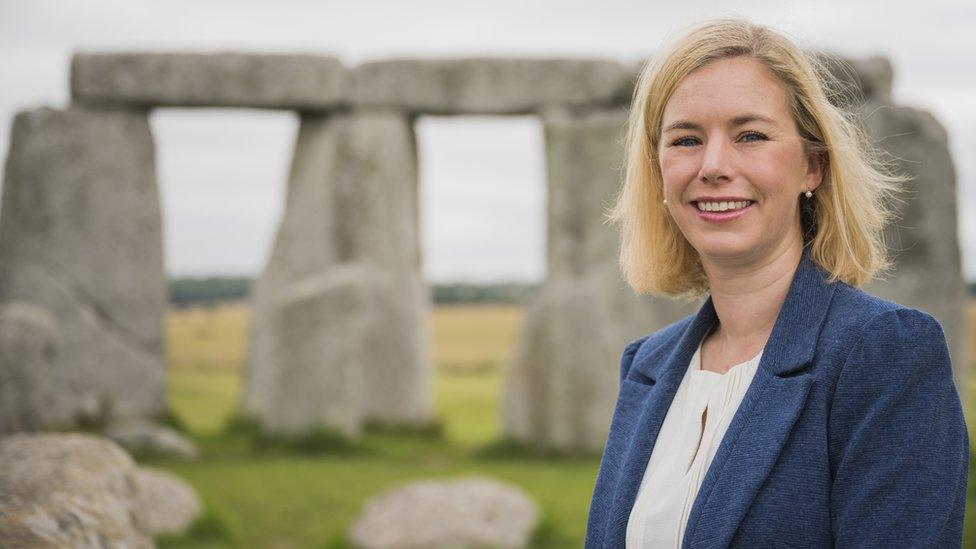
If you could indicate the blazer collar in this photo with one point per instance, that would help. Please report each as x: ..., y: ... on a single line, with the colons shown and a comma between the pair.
x: 794, y: 333
x: 758, y: 430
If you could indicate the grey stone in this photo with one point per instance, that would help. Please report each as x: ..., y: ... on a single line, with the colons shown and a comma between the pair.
x: 377, y: 222
x: 144, y: 437
x: 169, y: 504
x: 304, y: 246
x: 276, y: 81
x: 924, y: 240
x: 69, y: 490
x: 318, y: 334
x: 350, y: 225
x: 561, y: 384
x: 29, y: 342
x: 481, y: 85
x: 81, y: 237
x: 471, y: 512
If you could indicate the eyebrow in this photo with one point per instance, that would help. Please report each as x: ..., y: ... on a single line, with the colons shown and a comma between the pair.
x: 737, y: 121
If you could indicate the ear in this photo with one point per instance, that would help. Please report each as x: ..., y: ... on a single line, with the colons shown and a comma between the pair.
x: 816, y: 164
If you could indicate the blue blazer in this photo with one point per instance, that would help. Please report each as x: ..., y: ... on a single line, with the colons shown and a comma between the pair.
x: 851, y: 433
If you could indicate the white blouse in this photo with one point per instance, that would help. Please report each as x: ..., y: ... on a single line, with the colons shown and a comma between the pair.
x: 684, y: 450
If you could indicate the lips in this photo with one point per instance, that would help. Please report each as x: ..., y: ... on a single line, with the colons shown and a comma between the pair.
x: 722, y: 216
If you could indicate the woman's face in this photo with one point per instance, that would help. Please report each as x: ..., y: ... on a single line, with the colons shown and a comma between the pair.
x: 730, y: 143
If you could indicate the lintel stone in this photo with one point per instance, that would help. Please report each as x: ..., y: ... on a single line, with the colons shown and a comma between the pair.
x: 274, y: 81
x: 489, y: 85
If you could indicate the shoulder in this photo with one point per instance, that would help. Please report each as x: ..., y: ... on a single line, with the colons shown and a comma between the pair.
x: 870, y: 322
x: 891, y: 352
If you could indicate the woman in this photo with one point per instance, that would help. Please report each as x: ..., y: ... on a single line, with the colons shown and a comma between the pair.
x: 793, y: 410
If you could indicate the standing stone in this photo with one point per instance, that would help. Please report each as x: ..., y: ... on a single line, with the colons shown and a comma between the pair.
x: 80, y: 237
x: 319, y: 325
x: 303, y: 248
x: 28, y: 356
x: 345, y: 271
x: 924, y: 240
x: 377, y: 214
x: 562, y: 383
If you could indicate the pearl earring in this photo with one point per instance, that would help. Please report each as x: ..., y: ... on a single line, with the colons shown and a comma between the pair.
x: 809, y: 194
x: 665, y: 201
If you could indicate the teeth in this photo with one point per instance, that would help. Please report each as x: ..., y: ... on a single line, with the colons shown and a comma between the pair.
x: 722, y: 206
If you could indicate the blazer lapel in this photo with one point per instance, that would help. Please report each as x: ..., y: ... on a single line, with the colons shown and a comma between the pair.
x: 758, y: 430
x: 645, y: 396
x: 766, y: 415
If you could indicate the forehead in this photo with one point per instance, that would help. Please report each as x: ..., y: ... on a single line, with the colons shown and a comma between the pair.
x: 726, y: 88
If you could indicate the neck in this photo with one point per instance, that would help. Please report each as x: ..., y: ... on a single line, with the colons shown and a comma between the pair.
x: 748, y: 297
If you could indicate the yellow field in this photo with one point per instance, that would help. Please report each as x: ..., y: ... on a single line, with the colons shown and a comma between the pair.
x: 468, y: 348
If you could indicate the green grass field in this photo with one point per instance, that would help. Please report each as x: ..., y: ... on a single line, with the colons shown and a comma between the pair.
x: 285, y: 499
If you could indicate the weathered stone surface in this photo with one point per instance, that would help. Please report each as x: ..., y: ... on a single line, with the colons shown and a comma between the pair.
x: 144, y: 437
x: 304, y: 246
x: 318, y: 336
x: 276, y: 81
x: 924, y: 241
x: 169, y: 504
x: 28, y: 354
x: 489, y: 85
x: 377, y: 224
x: 69, y: 490
x: 472, y: 512
x: 80, y: 236
x: 349, y: 236
x: 561, y: 385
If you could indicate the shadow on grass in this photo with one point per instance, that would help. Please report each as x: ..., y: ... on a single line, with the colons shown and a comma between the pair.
x: 505, y: 449
x: 429, y: 430
x: 319, y: 440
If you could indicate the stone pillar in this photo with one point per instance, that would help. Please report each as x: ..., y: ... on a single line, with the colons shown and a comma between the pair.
x: 303, y: 248
x: 560, y: 388
x: 80, y: 238
x: 352, y: 208
x: 28, y: 352
x: 924, y: 240
x: 377, y: 213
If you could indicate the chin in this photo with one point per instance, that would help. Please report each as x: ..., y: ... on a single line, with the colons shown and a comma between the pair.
x: 725, y: 249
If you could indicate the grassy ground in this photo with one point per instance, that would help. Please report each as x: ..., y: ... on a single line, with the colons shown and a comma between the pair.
x: 284, y: 499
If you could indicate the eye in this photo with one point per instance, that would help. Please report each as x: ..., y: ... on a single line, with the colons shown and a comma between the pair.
x: 686, y: 141
x: 752, y: 136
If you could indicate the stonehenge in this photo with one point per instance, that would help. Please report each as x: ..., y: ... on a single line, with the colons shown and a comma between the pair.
x: 81, y: 244
x: 338, y: 334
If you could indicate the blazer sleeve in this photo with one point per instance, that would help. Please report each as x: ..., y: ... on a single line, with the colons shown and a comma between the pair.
x: 899, y: 449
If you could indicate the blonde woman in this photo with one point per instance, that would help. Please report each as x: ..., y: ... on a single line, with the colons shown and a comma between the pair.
x: 793, y: 410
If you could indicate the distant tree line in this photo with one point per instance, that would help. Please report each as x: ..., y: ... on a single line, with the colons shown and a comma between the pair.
x: 209, y: 291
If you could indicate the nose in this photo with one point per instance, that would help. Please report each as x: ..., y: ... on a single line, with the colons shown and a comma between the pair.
x: 716, y: 163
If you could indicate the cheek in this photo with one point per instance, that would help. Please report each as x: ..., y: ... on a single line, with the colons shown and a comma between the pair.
x: 677, y: 169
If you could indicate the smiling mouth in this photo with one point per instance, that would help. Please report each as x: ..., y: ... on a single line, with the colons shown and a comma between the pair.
x: 727, y: 206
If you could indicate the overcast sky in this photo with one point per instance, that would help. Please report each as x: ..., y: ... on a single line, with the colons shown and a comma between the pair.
x: 222, y: 172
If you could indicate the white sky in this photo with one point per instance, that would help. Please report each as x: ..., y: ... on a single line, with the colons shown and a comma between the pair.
x: 222, y: 172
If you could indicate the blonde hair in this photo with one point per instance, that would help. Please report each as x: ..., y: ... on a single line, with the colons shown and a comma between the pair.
x: 844, y: 223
